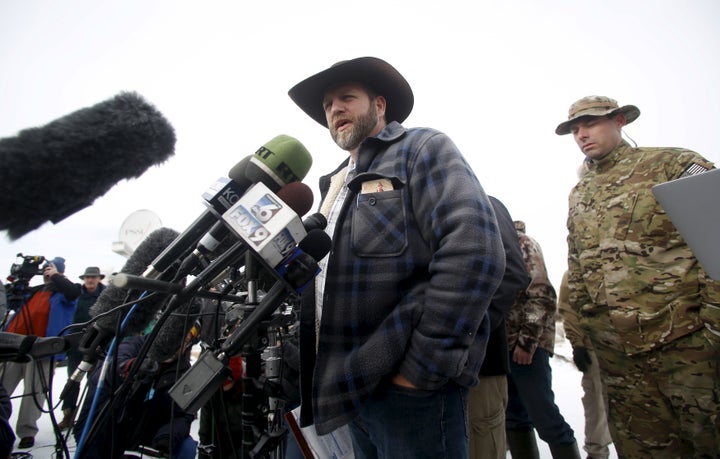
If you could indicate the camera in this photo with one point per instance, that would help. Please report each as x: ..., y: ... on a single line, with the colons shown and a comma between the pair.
x: 29, y: 267
x: 17, y: 290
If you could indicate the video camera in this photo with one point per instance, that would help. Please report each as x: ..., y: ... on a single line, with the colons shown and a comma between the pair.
x: 19, y: 279
x: 30, y: 267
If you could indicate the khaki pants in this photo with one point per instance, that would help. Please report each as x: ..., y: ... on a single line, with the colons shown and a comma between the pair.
x: 486, y: 415
x: 35, y: 376
x: 594, y: 400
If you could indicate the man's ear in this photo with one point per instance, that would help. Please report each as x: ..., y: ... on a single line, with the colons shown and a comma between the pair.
x: 620, y: 120
x: 380, y: 106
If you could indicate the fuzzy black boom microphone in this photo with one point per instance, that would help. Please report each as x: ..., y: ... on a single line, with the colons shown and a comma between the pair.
x: 48, y: 173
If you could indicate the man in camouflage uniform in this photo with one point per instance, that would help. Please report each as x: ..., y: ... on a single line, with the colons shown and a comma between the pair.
x: 650, y: 310
x: 531, y: 342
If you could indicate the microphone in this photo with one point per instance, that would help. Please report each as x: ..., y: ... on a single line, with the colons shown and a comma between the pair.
x: 301, y: 266
x: 296, y: 195
x: 315, y: 221
x: 194, y: 388
x: 63, y: 166
x: 282, y: 158
x: 106, y: 309
x: 23, y: 348
x: 272, y: 165
x: 267, y: 224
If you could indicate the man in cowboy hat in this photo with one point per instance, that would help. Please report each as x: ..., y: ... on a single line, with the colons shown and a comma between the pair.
x: 651, y: 312
x: 400, y: 304
x: 91, y: 289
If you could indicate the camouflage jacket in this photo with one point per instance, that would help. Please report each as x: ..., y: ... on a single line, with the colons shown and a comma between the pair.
x: 531, y: 320
x: 632, y: 278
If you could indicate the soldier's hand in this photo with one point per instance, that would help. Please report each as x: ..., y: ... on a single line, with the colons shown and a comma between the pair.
x: 582, y: 359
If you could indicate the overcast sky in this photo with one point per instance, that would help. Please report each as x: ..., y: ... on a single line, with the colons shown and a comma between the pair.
x: 496, y: 76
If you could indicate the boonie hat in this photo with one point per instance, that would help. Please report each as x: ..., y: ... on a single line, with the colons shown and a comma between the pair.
x: 92, y: 271
x: 377, y: 74
x: 596, y: 106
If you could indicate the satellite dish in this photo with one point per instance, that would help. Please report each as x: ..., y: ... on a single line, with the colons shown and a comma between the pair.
x: 134, y: 230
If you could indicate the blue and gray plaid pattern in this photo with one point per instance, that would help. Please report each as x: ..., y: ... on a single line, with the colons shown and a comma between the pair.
x: 410, y: 276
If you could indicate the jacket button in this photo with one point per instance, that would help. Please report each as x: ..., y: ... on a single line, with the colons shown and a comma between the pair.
x: 372, y: 201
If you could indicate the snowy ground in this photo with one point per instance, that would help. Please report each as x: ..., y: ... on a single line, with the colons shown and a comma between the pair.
x: 566, y: 385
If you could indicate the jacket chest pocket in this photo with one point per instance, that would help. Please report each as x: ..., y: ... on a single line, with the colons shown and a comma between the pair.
x: 379, y: 226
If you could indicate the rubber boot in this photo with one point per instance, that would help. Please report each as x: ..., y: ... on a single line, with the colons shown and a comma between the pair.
x: 67, y: 420
x: 569, y: 451
x: 522, y: 444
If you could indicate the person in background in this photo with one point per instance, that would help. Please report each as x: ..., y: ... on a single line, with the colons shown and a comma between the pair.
x: 488, y: 400
x: 531, y: 339
x: 90, y: 290
x: 401, y: 302
x: 651, y: 312
x: 48, y: 309
x: 597, y: 434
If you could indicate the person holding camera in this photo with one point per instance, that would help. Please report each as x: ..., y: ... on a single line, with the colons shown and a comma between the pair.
x: 46, y: 310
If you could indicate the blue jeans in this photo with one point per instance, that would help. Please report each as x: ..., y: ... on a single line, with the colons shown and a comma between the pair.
x: 532, y: 401
x: 400, y: 423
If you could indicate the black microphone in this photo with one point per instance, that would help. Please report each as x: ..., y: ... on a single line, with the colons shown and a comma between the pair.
x: 64, y: 166
x: 301, y: 266
x: 315, y: 221
x: 280, y: 161
x: 106, y: 309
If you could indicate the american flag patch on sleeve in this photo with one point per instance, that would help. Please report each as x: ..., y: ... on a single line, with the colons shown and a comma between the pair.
x: 694, y: 169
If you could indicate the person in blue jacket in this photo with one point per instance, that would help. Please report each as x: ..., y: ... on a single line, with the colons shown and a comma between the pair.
x: 48, y: 309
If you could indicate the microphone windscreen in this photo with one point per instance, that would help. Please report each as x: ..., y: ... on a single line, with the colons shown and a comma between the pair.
x: 113, y: 296
x: 238, y: 173
x: 298, y: 196
x: 315, y: 221
x: 50, y: 172
x: 280, y: 161
x: 317, y: 244
x: 172, y: 334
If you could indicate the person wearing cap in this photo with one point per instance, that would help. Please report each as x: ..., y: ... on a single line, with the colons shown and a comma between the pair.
x: 90, y: 290
x: 401, y: 302
x: 47, y: 310
x: 650, y: 311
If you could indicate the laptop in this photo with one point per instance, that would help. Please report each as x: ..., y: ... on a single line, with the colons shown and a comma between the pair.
x: 693, y: 205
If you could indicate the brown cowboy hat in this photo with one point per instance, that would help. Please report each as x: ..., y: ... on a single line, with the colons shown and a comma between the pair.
x: 596, y: 106
x: 377, y: 74
x: 92, y: 271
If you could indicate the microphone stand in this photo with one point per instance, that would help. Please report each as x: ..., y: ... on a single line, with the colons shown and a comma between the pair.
x: 257, y: 440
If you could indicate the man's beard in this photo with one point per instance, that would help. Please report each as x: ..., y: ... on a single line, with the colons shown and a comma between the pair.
x: 361, y: 128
